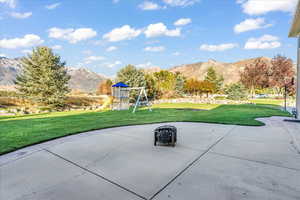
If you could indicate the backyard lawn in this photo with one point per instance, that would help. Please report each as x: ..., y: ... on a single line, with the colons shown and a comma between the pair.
x: 186, y: 105
x: 20, y: 131
x: 275, y: 102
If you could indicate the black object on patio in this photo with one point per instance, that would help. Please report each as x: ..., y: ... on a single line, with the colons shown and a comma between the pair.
x: 166, y: 135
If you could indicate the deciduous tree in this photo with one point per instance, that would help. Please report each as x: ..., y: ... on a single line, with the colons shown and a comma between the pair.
x: 104, y: 87
x: 282, y: 73
x: 131, y: 76
x: 206, y: 87
x: 196, y: 87
x: 166, y: 82
x: 256, y: 75
x: 152, y: 88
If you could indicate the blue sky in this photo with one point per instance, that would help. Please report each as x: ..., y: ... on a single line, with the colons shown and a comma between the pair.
x: 105, y: 35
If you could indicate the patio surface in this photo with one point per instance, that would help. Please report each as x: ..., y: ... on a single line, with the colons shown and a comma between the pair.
x: 210, y: 161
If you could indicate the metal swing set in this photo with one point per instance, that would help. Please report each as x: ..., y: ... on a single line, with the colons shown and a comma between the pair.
x: 121, y: 92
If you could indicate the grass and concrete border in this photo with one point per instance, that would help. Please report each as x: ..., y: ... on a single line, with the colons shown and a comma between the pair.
x: 21, y: 131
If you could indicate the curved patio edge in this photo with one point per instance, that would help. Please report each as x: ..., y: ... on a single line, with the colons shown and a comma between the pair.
x: 33, y: 148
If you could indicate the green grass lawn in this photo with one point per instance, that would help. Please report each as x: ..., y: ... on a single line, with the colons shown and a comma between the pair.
x: 20, y: 131
x: 275, y: 102
x: 186, y: 105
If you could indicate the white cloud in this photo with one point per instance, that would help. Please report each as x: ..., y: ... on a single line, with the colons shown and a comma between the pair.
x: 26, y: 51
x: 91, y: 59
x: 114, y: 64
x: 72, y: 35
x: 123, y: 33
x: 111, y: 48
x: 259, y: 7
x: 148, y: 5
x: 52, y: 6
x: 264, y: 42
x: 251, y: 24
x: 155, y: 49
x: 56, y: 47
x: 2, y: 55
x: 159, y: 29
x: 183, y: 22
x: 220, y: 47
x: 20, y: 15
x: 28, y: 40
x: 10, y: 3
x: 181, y: 3
x: 145, y: 65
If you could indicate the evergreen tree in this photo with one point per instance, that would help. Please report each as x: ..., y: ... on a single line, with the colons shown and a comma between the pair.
x: 213, y: 78
x: 44, y: 77
x: 236, y: 91
x: 211, y: 75
x: 180, y: 81
x: 219, y: 84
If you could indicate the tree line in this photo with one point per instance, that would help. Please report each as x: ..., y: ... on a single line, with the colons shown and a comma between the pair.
x: 261, y: 76
x: 44, y: 77
x: 165, y: 84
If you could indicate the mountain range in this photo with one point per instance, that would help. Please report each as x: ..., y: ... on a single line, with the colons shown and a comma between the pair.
x: 229, y: 71
x: 81, y: 78
x: 86, y: 80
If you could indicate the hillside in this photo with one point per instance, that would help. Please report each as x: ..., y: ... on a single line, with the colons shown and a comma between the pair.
x: 9, y: 68
x: 230, y: 71
x: 81, y: 79
x: 84, y: 79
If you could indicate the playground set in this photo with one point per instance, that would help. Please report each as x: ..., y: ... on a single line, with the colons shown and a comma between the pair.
x: 121, y: 97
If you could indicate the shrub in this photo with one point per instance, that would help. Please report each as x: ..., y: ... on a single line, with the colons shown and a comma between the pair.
x: 236, y: 91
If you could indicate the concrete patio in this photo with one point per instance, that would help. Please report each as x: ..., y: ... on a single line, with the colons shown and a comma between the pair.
x: 210, y: 161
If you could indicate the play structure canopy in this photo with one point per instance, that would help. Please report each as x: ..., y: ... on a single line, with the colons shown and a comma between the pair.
x: 120, y: 84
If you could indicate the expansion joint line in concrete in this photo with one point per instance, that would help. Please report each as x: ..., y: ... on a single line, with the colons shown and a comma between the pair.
x: 255, y: 161
x: 294, y: 141
x: 98, y: 175
x: 192, y: 163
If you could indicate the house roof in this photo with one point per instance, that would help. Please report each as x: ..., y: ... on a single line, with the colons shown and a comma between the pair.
x: 120, y: 84
x: 295, y: 28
